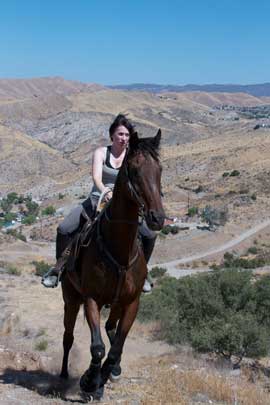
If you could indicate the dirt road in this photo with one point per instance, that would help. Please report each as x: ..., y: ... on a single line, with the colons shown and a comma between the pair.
x: 173, y: 266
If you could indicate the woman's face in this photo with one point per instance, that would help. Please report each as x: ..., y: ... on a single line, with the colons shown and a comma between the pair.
x: 121, y: 136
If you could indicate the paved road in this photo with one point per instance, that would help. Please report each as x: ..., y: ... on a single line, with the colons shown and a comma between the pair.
x: 172, y: 265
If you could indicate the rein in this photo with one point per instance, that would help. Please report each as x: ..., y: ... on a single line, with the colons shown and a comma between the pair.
x: 121, y: 269
x: 135, y: 196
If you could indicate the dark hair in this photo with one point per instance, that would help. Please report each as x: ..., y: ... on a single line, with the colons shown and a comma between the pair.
x: 121, y: 119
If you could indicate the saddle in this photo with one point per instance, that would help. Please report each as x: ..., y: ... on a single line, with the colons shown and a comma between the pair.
x: 82, y: 239
x: 83, y: 236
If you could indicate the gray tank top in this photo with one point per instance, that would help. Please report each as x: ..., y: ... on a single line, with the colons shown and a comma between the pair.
x: 109, y: 175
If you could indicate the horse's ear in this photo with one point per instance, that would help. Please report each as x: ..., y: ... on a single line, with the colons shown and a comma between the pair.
x: 134, y: 140
x: 156, y: 139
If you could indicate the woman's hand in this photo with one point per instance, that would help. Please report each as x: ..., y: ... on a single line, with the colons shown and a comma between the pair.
x: 108, y: 195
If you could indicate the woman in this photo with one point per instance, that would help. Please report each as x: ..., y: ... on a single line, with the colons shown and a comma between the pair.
x: 105, y: 167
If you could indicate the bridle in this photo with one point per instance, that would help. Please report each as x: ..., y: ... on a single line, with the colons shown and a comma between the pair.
x: 120, y: 268
x: 135, y: 196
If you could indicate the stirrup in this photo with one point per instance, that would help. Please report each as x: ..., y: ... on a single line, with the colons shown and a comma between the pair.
x: 51, y: 280
x: 53, y: 276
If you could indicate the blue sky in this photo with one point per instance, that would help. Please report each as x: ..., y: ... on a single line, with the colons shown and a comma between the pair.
x: 114, y: 42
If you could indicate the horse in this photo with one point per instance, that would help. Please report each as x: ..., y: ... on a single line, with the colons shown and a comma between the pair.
x: 112, y: 268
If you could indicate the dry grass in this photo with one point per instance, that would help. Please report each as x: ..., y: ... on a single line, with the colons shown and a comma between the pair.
x: 165, y: 390
x: 144, y: 329
x: 174, y: 386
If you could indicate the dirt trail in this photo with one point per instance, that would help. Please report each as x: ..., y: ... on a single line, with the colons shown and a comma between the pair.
x: 172, y: 266
x: 31, y: 314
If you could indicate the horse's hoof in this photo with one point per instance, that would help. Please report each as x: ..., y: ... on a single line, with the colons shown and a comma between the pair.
x: 114, y: 378
x: 115, y: 374
x: 93, y: 396
x: 87, y: 397
x: 88, y: 385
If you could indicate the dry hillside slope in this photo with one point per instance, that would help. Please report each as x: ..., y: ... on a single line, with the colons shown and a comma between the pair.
x: 11, y: 89
x: 26, y: 162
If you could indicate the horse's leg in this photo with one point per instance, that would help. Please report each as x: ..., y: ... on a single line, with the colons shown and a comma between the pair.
x: 70, y: 316
x: 124, y: 325
x: 110, y: 326
x: 91, y: 379
x: 111, y: 323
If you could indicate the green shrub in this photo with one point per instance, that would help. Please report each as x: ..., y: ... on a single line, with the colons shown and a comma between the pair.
x: 12, y: 197
x: 231, y: 260
x: 192, y: 211
x: 50, y: 210
x: 225, y: 174
x: 158, y: 272
x: 166, y: 230
x: 253, y: 197
x: 29, y: 220
x: 253, y: 250
x: 61, y: 196
x: 215, y: 216
x: 224, y: 311
x: 161, y: 305
x: 262, y: 293
x: 235, y: 173
x: 174, y: 229
x: 160, y: 235
x: 14, y: 271
x: 6, y: 205
x: 42, y: 345
x: 10, y: 216
x: 41, y: 267
x: 15, y: 234
x: 32, y: 208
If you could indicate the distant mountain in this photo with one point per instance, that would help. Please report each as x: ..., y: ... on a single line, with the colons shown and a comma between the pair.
x: 16, y: 89
x: 258, y: 90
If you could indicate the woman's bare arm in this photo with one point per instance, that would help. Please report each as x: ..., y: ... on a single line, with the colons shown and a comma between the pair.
x: 97, y: 163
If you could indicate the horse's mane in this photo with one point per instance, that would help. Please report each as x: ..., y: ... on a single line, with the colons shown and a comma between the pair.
x: 145, y: 146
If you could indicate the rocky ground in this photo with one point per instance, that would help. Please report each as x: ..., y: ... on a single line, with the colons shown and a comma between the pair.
x: 31, y: 335
x: 153, y: 372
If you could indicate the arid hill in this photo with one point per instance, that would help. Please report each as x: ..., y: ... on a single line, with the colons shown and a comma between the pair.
x: 27, y: 163
x: 257, y: 90
x: 20, y: 89
x: 60, y: 122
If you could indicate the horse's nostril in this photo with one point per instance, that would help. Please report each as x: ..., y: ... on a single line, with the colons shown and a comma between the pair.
x: 156, y: 218
x: 153, y: 217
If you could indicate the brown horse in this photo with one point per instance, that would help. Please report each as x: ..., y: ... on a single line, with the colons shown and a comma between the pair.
x: 112, y: 269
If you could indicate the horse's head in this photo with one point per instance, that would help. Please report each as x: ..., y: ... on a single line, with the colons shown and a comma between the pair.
x: 143, y: 171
